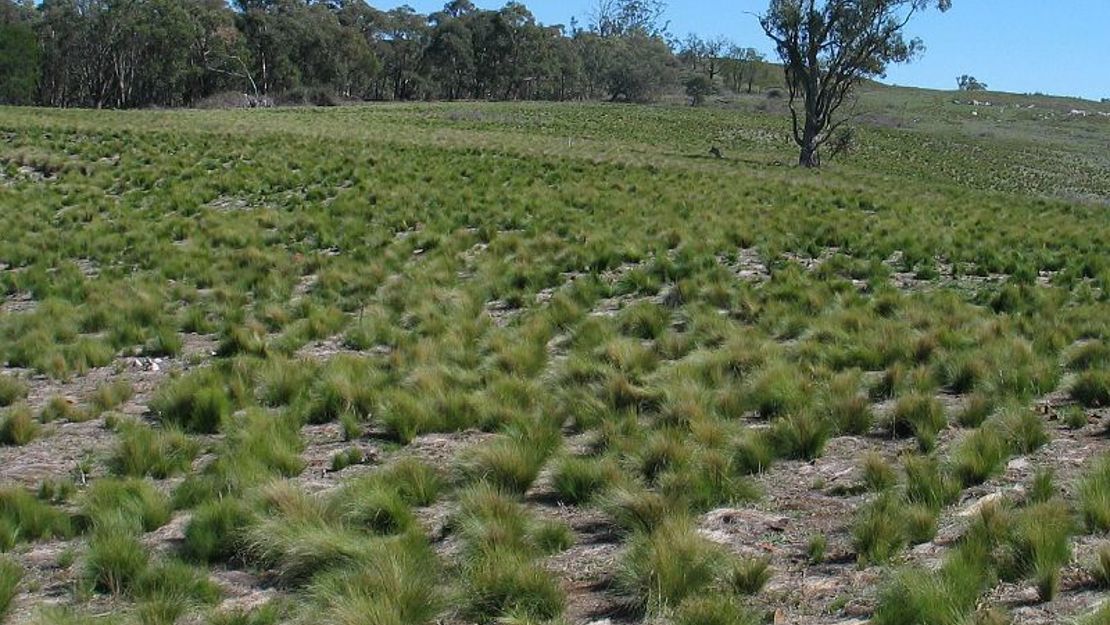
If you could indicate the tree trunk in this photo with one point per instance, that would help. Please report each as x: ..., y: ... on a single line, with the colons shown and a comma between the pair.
x: 810, y: 154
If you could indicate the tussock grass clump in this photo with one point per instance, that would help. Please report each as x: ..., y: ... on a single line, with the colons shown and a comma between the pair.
x: 927, y: 483
x: 298, y: 548
x: 506, y: 584
x: 800, y: 436
x: 879, y: 531
x: 176, y: 584
x: 158, y: 453
x: 512, y: 461
x: 1038, y: 546
x: 753, y: 452
x: 259, y: 447
x: 979, y: 455
x: 396, y: 583
x: 59, y: 408
x: 18, y: 426
x: 135, y: 502
x: 197, y: 402
x: 344, y: 385
x: 708, y: 480
x: 1100, y: 568
x: 11, y: 390
x: 714, y: 610
x: 919, y: 415
x: 916, y: 595
x: 1092, y: 388
x: 778, y: 389
x: 662, y: 568
x: 115, y: 559
x: 346, y: 458
x: 215, y: 531
x: 111, y: 395
x: 578, y: 480
x: 24, y: 517
x: 747, y: 576
x: 1089, y: 355
x: 979, y: 406
x: 1094, y: 496
x: 11, y: 574
x: 637, y: 509
x: 374, y: 505
x: 878, y: 474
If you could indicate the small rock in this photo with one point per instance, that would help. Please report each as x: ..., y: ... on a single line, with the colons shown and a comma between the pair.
x: 1018, y: 464
x: 976, y: 507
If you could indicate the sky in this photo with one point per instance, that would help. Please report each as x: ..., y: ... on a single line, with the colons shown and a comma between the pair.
x: 1058, y: 47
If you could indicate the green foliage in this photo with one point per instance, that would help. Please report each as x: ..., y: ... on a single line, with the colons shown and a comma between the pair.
x: 133, y: 503
x: 664, y: 567
x: 11, y: 390
x: 18, y: 426
x: 158, y: 453
x: 919, y: 415
x: 748, y: 576
x: 577, y: 480
x: 1092, y: 388
x: 23, y: 517
x: 196, y: 402
x: 11, y: 574
x: 1094, y: 495
x: 215, y: 530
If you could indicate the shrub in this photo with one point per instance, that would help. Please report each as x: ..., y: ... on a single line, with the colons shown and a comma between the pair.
x: 1094, y: 496
x: 215, y: 531
x: 748, y: 576
x: 10, y: 576
x: 18, y: 426
x: 1092, y: 388
x: 660, y: 569
x: 158, y: 453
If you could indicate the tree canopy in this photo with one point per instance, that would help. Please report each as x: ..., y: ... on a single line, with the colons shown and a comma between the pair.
x: 136, y: 53
x: 827, y: 48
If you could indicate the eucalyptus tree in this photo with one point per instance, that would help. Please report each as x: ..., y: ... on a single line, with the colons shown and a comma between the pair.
x: 827, y: 48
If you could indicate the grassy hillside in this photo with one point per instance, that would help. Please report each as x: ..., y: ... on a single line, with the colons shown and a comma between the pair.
x: 531, y: 363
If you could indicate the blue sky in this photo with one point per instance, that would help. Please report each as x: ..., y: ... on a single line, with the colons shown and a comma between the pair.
x: 1061, y: 47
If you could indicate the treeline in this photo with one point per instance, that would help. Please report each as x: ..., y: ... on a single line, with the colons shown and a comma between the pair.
x: 136, y: 53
